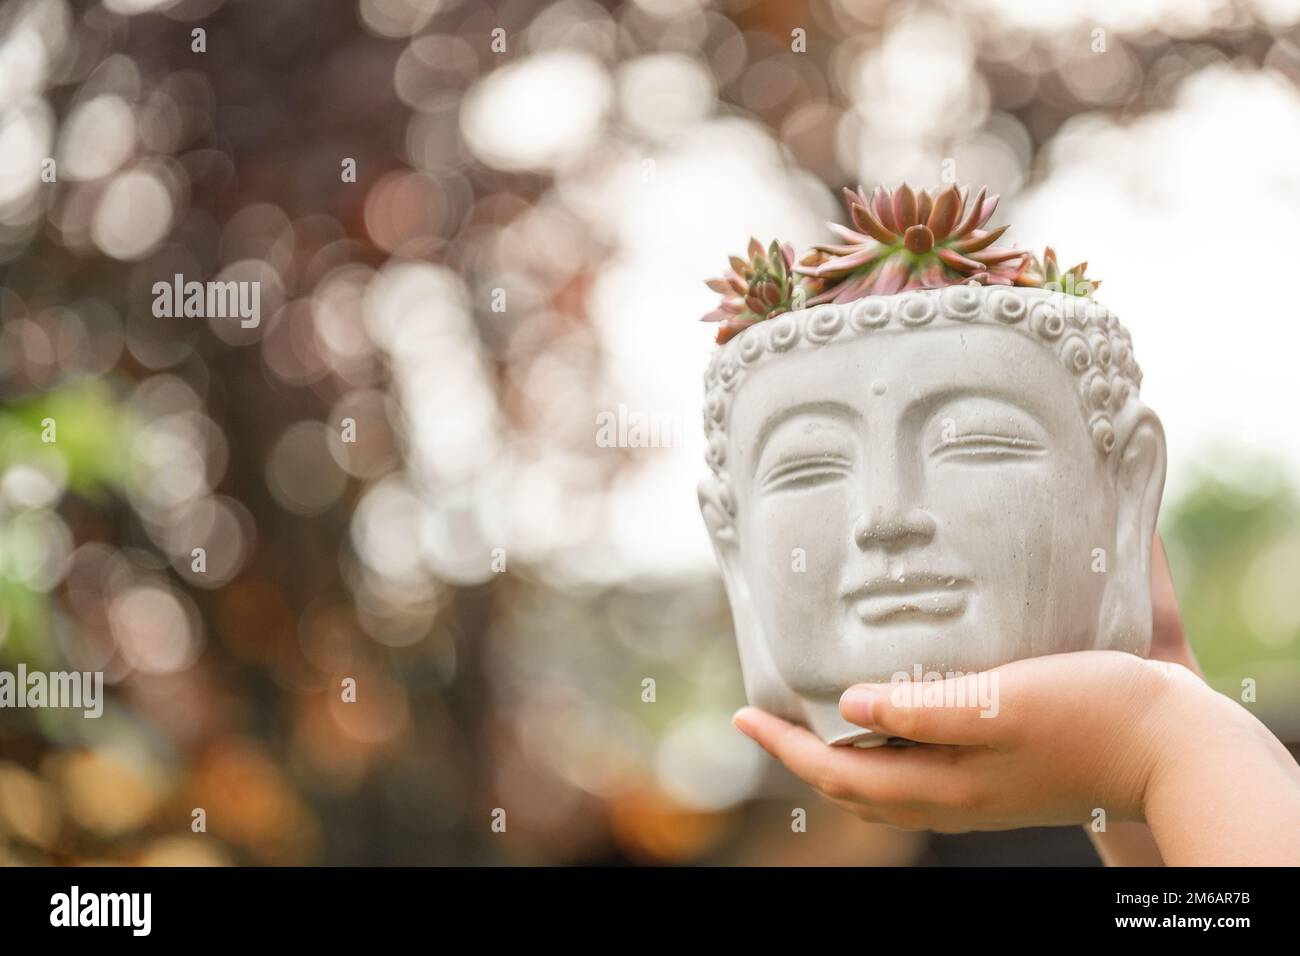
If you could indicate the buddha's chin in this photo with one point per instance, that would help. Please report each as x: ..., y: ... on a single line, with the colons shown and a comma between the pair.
x: 907, y: 650
x: 901, y: 643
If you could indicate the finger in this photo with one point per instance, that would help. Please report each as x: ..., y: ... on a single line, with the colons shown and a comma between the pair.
x: 958, y: 710
x: 863, y: 811
x: 936, y: 779
x: 823, y: 767
x: 881, y: 777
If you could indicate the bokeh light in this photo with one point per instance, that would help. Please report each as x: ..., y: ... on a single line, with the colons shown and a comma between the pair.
x: 473, y: 231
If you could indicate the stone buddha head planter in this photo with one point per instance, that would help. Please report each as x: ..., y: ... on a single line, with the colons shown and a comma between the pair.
x: 923, y: 480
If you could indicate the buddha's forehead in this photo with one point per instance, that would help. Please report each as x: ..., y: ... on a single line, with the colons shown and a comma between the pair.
x: 897, y: 371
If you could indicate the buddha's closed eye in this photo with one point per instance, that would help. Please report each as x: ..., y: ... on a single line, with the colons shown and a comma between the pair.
x: 806, y: 471
x: 983, y: 430
x: 987, y: 447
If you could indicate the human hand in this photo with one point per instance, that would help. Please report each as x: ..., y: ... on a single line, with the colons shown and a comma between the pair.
x: 1072, y: 732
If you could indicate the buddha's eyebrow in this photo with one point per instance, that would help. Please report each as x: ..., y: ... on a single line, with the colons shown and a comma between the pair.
x: 931, y: 404
x: 835, y: 410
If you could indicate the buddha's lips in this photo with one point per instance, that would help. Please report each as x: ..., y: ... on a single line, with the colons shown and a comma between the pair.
x: 909, y: 597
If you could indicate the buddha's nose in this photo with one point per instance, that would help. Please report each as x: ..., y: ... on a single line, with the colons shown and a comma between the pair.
x: 889, y: 528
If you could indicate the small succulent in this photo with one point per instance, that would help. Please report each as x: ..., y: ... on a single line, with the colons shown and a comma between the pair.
x: 1048, y: 274
x: 899, y: 240
x: 761, y: 288
x: 904, y: 240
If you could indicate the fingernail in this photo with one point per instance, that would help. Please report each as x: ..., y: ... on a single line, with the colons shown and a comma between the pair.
x: 857, y: 704
x: 739, y: 720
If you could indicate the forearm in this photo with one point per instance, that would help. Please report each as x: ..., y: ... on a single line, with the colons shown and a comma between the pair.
x: 1224, y: 791
x: 1126, y: 844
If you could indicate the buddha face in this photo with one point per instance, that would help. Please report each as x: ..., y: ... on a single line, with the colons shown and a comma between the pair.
x: 928, y: 498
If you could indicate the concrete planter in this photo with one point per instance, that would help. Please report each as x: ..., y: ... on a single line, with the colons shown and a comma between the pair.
x: 929, y: 482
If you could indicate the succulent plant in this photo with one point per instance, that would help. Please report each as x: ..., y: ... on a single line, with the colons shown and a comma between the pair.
x: 904, y: 240
x: 899, y: 240
x: 1048, y: 274
x: 761, y: 287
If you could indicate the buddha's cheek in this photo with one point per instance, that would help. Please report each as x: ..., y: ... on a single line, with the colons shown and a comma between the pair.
x: 794, y: 552
x: 1003, y: 524
x: 1028, y: 532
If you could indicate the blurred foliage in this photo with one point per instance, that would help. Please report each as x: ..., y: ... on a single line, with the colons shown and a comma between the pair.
x: 1234, y: 543
x: 92, y: 432
x: 78, y: 431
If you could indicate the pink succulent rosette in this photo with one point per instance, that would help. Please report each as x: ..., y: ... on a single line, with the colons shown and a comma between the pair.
x: 753, y: 290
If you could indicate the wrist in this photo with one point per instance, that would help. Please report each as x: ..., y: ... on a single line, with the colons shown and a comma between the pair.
x: 1184, y: 721
x: 1221, y: 789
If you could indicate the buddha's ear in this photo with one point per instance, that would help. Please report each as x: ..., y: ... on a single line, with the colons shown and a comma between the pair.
x: 764, y: 686
x: 719, y: 511
x: 1138, y: 466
